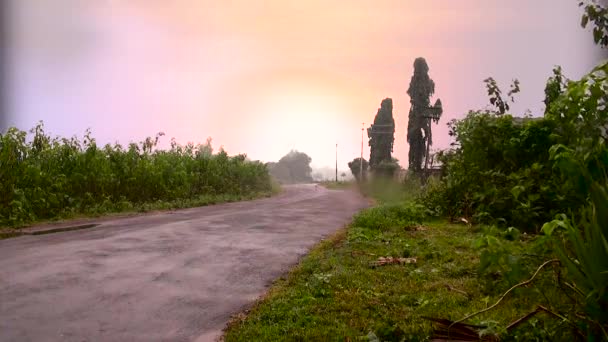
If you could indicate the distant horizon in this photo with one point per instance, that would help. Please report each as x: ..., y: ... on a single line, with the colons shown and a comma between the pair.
x: 262, y: 78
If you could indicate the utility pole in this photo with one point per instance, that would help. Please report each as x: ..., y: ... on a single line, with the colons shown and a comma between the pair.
x: 336, y: 162
x: 361, y: 158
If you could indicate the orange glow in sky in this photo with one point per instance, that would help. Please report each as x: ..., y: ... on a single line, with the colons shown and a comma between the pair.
x: 264, y: 77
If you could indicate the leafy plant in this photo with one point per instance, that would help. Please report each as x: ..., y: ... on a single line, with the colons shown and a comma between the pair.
x: 495, y: 95
x: 598, y: 15
x: 584, y: 253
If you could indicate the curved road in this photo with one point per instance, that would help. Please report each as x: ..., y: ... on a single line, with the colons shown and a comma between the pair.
x: 173, y: 276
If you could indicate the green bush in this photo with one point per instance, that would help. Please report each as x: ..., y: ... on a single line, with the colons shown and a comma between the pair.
x: 506, y: 171
x: 523, y: 172
x: 48, y: 178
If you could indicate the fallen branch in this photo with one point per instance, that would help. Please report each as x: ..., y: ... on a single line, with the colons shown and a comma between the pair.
x: 460, y: 332
x: 416, y: 228
x: 353, y: 253
x: 531, y: 314
x: 506, y: 293
x: 451, y: 288
x: 391, y: 260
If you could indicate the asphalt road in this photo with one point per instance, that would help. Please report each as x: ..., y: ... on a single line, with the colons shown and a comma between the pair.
x: 173, y: 276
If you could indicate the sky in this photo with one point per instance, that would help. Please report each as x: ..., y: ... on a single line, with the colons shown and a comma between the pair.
x: 265, y: 77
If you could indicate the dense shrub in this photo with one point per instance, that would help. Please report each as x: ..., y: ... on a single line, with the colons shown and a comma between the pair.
x: 500, y: 171
x: 508, y: 170
x: 53, y: 177
x: 523, y: 172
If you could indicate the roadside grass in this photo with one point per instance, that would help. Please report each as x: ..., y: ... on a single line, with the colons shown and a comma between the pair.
x: 336, y: 293
x: 388, y: 191
x: 109, y: 208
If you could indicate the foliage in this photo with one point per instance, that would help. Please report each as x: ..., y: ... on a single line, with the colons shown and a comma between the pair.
x: 294, y: 167
x: 389, y: 191
x: 387, y: 169
x: 582, y: 163
x: 554, y: 87
x: 506, y: 257
x: 51, y: 177
x: 498, y: 172
x: 388, y: 216
x: 523, y: 172
x: 584, y: 253
x: 382, y: 135
x: 495, y: 95
x: 356, y: 166
x: 506, y: 170
x: 419, y: 134
x: 598, y: 15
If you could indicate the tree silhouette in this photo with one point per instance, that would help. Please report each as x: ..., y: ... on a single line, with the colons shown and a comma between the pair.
x: 382, y: 134
x: 355, y: 168
x: 419, y: 134
x: 294, y: 167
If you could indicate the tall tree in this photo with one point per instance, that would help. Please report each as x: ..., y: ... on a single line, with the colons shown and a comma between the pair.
x: 421, y: 114
x: 382, y: 135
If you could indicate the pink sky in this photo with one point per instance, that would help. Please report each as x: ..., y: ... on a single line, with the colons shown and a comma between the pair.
x: 264, y: 77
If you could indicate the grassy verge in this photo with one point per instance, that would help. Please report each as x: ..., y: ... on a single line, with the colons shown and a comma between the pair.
x: 337, y: 293
x: 118, y: 209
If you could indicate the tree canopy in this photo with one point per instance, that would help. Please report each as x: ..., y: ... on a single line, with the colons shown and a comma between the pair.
x: 294, y: 167
x: 355, y: 167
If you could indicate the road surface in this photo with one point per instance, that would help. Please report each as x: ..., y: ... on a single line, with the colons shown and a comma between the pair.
x: 173, y: 276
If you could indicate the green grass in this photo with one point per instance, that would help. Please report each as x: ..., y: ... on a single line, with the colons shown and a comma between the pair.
x: 387, y: 191
x: 335, y: 294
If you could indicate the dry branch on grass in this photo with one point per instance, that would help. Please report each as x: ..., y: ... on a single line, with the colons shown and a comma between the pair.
x: 446, y: 330
x: 508, y: 291
x: 382, y: 261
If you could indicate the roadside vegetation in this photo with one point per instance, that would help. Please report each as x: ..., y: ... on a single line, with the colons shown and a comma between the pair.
x: 49, y: 178
x: 510, y: 243
x: 377, y: 279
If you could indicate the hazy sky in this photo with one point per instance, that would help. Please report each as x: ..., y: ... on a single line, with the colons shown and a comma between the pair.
x: 264, y: 77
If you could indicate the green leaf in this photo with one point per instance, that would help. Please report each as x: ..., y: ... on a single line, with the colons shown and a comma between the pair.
x: 597, y: 35
x: 517, y: 190
x: 584, y: 20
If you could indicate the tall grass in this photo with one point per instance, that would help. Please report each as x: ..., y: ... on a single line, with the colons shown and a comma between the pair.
x: 51, y: 177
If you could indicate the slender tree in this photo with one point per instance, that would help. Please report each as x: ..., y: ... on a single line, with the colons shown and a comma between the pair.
x: 421, y: 114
